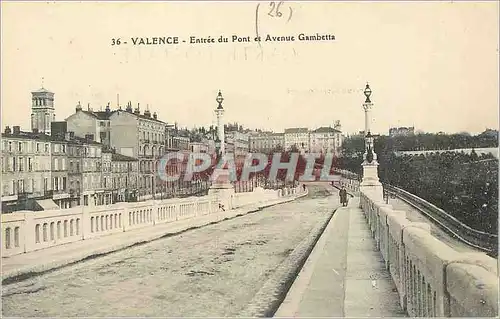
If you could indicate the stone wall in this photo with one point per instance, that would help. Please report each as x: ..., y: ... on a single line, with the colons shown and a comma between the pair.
x: 433, y: 280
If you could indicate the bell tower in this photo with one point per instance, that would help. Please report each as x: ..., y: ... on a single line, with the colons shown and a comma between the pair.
x: 42, y: 110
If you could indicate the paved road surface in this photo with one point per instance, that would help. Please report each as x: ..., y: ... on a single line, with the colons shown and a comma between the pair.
x: 212, y: 271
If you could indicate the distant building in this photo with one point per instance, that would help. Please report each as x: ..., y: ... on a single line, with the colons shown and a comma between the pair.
x: 325, y: 140
x: 266, y: 142
x: 85, y: 122
x: 238, y: 143
x: 36, y: 174
x: 297, y: 137
x: 401, y: 131
x: 26, y: 169
x: 140, y: 136
x: 490, y: 133
x: 125, y: 174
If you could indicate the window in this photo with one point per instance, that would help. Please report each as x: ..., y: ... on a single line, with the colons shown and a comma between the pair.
x: 7, y: 238
x: 21, y: 162
x: 14, y: 164
x: 10, y: 146
x: 38, y: 147
x: 30, y: 164
x: 16, y: 236
x: 37, y: 233
x: 46, y: 148
x: 52, y: 231
x: 20, y: 146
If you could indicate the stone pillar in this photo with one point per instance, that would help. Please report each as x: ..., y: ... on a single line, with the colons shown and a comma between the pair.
x: 222, y: 190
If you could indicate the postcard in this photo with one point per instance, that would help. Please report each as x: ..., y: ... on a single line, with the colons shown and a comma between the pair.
x: 249, y: 159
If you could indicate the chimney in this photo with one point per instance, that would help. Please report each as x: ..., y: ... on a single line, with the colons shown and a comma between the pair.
x: 107, y: 108
x: 147, y: 113
x: 7, y: 130
x: 137, y: 110
x: 129, y: 107
x: 155, y: 116
x: 78, y: 107
x: 17, y: 129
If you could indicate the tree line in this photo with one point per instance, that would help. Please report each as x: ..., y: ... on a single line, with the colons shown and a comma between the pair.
x: 463, y: 185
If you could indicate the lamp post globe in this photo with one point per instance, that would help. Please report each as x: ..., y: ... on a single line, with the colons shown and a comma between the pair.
x: 219, y: 100
x: 367, y: 93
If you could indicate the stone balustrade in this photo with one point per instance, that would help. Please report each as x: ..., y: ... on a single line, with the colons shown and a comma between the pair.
x: 28, y: 231
x: 432, y: 279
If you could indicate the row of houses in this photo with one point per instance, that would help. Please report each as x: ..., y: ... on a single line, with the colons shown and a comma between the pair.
x: 100, y: 157
x: 60, y: 170
x: 321, y: 140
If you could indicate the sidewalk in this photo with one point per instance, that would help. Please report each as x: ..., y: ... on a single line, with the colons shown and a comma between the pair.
x: 344, y: 276
x: 370, y: 291
x: 54, y: 257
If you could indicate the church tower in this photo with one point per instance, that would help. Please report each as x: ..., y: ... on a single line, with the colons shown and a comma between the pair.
x: 42, y: 110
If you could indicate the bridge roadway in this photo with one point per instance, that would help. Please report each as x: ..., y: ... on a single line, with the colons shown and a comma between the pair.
x: 211, y: 271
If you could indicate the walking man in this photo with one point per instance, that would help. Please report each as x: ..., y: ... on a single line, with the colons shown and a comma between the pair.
x: 343, y: 196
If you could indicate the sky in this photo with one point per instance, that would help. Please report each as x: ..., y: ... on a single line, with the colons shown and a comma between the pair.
x: 431, y: 65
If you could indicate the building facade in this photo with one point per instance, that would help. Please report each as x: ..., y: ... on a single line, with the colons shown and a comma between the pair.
x: 92, y: 190
x: 59, y: 173
x: 238, y: 143
x: 106, y: 176
x: 266, y: 142
x: 401, y: 131
x: 75, y: 150
x: 26, y: 168
x: 140, y: 136
x: 325, y: 140
x: 297, y: 137
x: 125, y: 175
x: 87, y: 122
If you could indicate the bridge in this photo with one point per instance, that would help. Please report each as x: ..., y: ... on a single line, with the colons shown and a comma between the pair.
x: 282, y: 253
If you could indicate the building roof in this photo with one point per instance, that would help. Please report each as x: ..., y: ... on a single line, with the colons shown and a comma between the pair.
x: 49, y: 138
x: 142, y: 116
x: 296, y: 130
x: 42, y: 90
x: 325, y: 129
x: 115, y: 157
x: 29, y: 135
x: 100, y: 115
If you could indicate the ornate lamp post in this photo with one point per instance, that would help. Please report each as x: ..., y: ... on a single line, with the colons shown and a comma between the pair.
x: 370, y: 165
x: 220, y: 134
x: 221, y: 188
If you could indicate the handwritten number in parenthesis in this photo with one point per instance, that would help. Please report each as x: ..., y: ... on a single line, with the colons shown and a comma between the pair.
x: 116, y: 41
x: 275, y: 10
